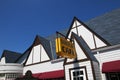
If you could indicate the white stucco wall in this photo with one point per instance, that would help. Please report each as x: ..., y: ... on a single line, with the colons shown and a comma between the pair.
x: 46, y: 66
x: 11, y: 68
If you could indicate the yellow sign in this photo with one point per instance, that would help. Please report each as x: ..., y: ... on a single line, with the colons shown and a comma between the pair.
x: 65, y: 48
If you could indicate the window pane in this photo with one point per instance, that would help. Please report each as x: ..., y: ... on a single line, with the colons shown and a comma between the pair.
x: 78, y: 73
x: 81, y: 78
x: 81, y: 72
x: 78, y: 78
x: 74, y: 74
x: 2, y: 75
x: 119, y: 76
x: 74, y: 79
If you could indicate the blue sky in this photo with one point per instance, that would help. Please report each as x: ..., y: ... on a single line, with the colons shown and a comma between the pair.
x: 22, y: 20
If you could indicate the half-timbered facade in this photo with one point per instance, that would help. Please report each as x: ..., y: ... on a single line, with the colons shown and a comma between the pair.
x: 40, y: 61
x: 97, y: 50
x: 85, y: 40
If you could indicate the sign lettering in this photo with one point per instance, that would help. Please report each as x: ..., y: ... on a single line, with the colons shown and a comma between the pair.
x: 65, y: 48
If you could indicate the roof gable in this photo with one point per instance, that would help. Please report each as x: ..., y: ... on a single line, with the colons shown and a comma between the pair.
x: 40, y: 51
x: 92, y: 39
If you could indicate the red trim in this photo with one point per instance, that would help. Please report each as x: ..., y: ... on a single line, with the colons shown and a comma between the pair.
x: 113, y: 66
x: 50, y: 75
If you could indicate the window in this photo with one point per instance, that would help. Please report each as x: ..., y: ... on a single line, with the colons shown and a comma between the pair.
x: 2, y: 74
x: 78, y: 74
x: 113, y: 76
x: 12, y: 76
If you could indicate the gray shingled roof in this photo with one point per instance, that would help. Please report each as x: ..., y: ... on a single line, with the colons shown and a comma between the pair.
x: 107, y: 26
x: 10, y: 56
x: 52, y: 39
x: 47, y: 45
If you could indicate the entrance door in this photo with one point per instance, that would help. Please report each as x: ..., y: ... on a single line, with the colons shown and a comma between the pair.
x: 113, y: 76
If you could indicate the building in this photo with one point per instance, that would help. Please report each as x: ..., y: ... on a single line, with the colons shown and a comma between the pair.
x: 97, y: 45
x: 8, y: 69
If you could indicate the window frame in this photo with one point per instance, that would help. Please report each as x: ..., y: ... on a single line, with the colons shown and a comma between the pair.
x: 84, y: 75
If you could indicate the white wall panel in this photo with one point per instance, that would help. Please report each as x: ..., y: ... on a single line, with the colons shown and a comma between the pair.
x: 72, y: 30
x: 87, y: 36
x: 79, y: 51
x: 44, y: 55
x: 36, y: 54
x: 78, y: 23
x: 2, y: 61
x: 99, y: 43
x: 30, y: 58
x: 74, y: 24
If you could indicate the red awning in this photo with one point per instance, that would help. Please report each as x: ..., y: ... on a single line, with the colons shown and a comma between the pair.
x: 113, y: 66
x: 50, y: 75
